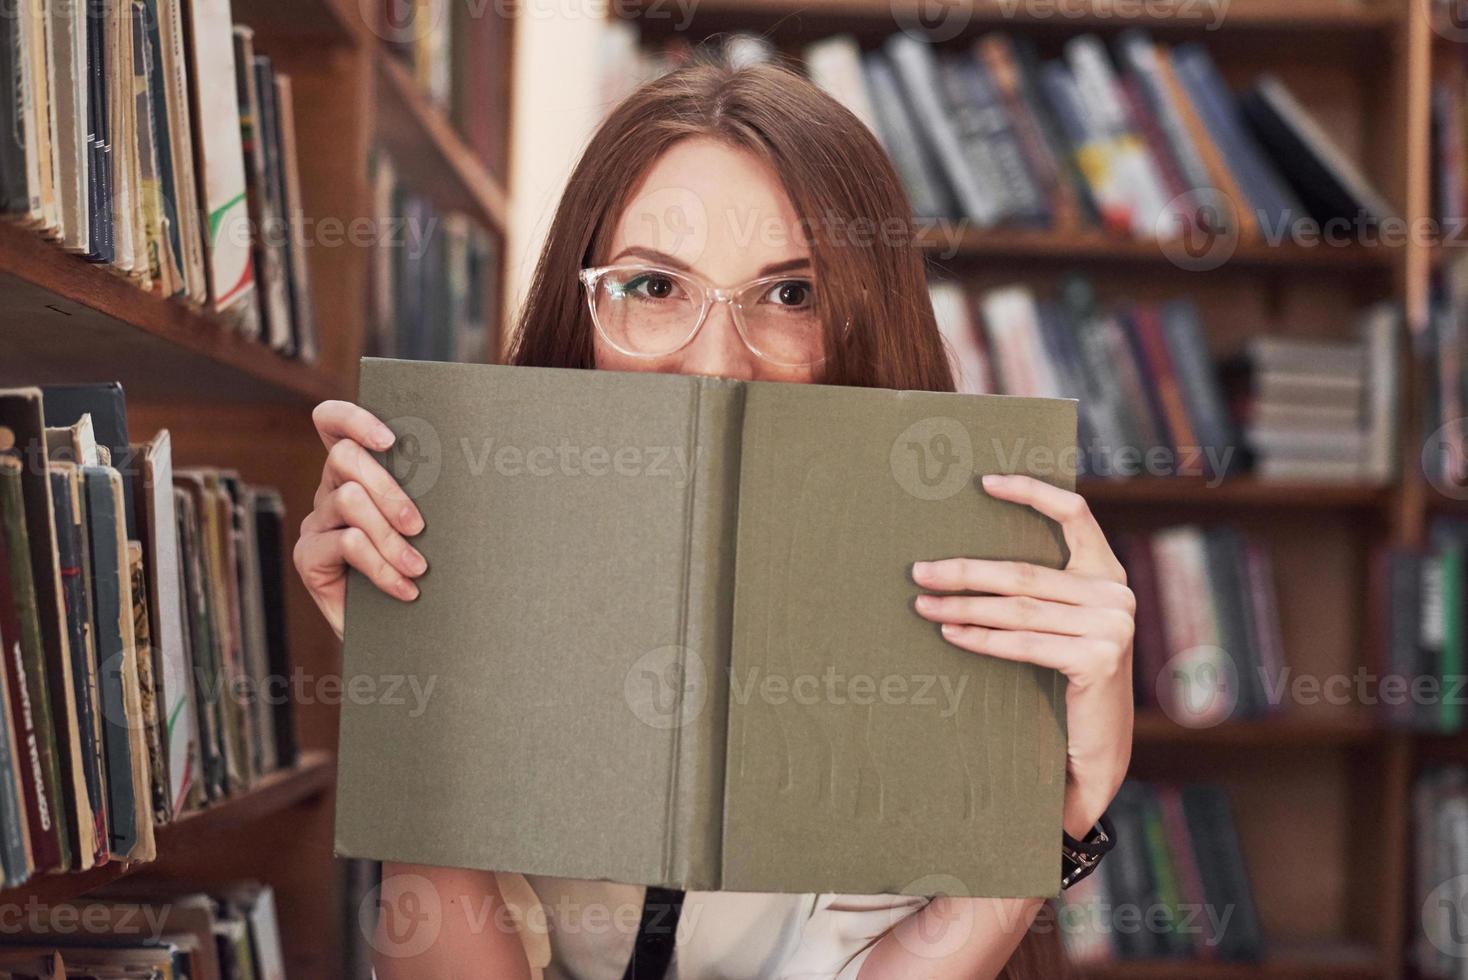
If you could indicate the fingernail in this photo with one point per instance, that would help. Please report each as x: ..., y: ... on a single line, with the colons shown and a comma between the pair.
x: 993, y: 480
x: 408, y: 590
x: 415, y: 561
x: 412, y: 520
x: 922, y: 567
x: 926, y: 603
x: 383, y: 438
x: 950, y: 629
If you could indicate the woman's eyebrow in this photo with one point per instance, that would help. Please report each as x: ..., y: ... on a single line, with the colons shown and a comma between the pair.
x: 799, y: 264
x: 789, y: 265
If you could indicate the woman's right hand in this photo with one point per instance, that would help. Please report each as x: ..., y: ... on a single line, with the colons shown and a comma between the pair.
x: 362, y: 518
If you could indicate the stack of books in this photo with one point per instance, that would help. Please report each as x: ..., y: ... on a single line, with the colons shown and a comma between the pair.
x: 1323, y: 410
x: 149, y: 137
x: 1208, y: 648
x: 1142, y: 140
x: 233, y: 934
x: 1423, y: 650
x: 1175, y: 886
x: 1151, y: 400
x: 142, y: 613
x: 1440, y: 850
x: 434, y: 277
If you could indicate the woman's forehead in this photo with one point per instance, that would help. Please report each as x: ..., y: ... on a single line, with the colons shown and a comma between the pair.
x: 715, y: 208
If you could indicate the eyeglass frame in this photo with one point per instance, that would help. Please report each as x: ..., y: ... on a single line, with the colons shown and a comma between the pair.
x: 592, y: 276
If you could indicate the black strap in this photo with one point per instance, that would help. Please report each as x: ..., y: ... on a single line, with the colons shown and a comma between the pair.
x: 652, y: 954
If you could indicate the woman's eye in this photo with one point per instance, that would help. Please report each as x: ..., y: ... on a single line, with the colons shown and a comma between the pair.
x: 653, y: 287
x: 792, y: 293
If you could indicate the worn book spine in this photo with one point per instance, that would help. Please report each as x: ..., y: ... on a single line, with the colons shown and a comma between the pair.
x: 108, y: 610
x: 149, y: 689
x: 70, y: 542
x: 201, y: 640
x: 27, y: 690
x: 15, y: 838
x: 696, y: 794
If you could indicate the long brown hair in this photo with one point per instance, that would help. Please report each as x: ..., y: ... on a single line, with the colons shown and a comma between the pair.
x: 873, y: 298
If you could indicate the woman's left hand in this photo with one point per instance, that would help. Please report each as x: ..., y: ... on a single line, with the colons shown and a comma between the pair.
x: 1078, y: 620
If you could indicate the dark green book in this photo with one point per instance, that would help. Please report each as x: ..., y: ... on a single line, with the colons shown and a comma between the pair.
x: 32, y: 727
x: 666, y: 637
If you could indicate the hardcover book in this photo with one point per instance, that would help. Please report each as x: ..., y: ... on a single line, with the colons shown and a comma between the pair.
x: 666, y: 637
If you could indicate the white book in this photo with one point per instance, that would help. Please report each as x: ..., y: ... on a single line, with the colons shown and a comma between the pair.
x: 176, y: 96
x: 834, y: 64
x: 1381, y: 328
x: 1012, y: 324
x: 69, y: 46
x: 955, y: 322
x: 221, y: 161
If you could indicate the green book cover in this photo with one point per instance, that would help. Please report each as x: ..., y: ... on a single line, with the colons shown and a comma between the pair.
x: 666, y: 637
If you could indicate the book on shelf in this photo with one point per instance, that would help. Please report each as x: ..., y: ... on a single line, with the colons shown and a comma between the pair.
x: 1422, y: 654
x: 110, y: 675
x: 1133, y: 137
x: 1439, y: 863
x: 743, y: 586
x: 1208, y: 647
x: 138, y: 138
x: 1155, y: 401
x: 1178, y: 868
x: 231, y: 934
x: 435, y: 276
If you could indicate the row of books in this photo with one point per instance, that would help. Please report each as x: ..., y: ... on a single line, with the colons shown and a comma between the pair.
x: 231, y: 935
x: 458, y: 53
x: 142, y: 619
x: 149, y: 137
x: 434, y: 287
x: 1175, y: 886
x: 1440, y: 872
x: 1314, y: 409
x: 1444, y: 346
x: 1144, y: 140
x: 1426, y: 594
x: 1208, y: 641
x: 1150, y: 399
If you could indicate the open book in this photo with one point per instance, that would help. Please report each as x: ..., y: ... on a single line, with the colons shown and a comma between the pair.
x: 666, y: 637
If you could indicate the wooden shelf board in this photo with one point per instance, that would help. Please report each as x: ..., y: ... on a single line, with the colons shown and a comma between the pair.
x: 1241, y: 491
x: 1154, y: 728
x: 428, y: 152
x: 66, y: 319
x: 1345, y: 962
x: 275, y: 792
x: 316, y: 20
x: 945, y: 243
x: 1314, y: 16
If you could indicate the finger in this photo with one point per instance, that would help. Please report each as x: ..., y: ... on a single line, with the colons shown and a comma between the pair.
x: 336, y: 420
x: 1024, y: 613
x: 350, y: 505
x: 1020, y: 578
x: 348, y: 462
x: 1089, y: 550
x: 329, y: 550
x: 1075, y: 657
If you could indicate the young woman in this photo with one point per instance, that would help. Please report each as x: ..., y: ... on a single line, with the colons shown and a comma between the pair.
x: 740, y: 223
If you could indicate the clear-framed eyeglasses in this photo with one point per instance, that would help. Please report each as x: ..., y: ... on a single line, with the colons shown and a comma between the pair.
x: 648, y: 311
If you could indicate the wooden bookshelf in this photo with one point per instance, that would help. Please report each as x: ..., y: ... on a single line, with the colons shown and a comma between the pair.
x: 1314, y: 781
x: 277, y: 792
x: 229, y: 401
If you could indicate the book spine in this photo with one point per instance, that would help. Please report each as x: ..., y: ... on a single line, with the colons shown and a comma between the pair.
x: 15, y: 839
x: 27, y: 693
x: 695, y: 844
x: 927, y: 192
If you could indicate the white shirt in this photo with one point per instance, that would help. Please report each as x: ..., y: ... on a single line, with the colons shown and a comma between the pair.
x: 585, y: 930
